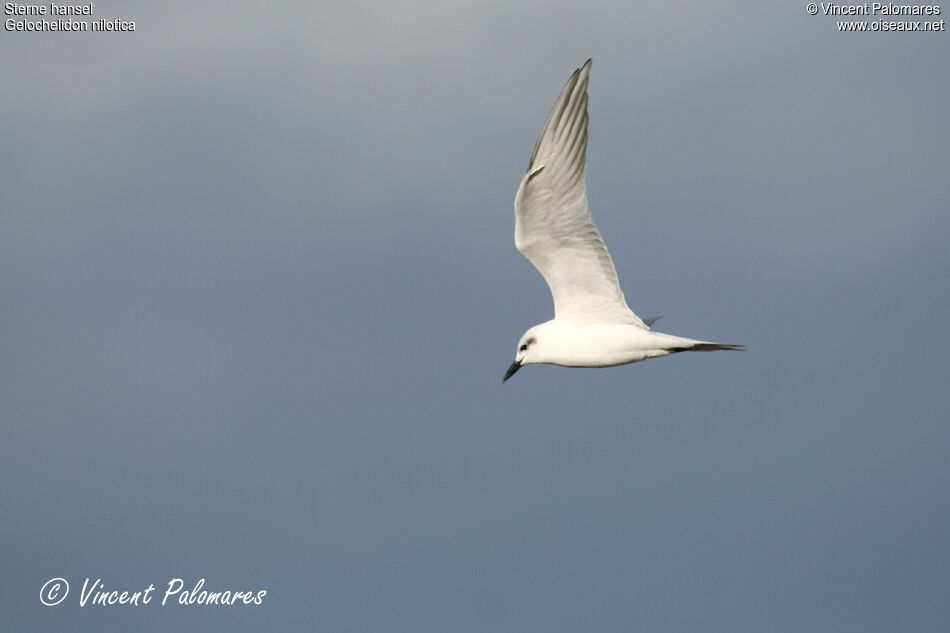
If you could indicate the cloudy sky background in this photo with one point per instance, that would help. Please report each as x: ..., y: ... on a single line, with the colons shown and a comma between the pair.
x: 258, y: 289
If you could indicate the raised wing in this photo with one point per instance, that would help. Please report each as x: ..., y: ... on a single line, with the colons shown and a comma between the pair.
x: 553, y: 227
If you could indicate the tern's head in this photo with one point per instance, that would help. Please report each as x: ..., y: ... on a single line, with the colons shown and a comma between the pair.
x: 526, y: 354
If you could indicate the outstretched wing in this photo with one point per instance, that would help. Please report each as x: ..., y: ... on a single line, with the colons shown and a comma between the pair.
x: 553, y: 227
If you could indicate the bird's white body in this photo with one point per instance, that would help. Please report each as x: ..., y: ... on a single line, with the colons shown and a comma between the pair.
x: 592, y: 325
x: 559, y: 342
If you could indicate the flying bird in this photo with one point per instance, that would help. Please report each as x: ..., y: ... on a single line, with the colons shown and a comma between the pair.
x: 592, y: 325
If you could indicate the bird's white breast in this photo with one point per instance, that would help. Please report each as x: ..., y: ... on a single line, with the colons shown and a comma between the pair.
x: 598, y: 345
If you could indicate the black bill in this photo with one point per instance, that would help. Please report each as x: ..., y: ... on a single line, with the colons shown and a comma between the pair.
x: 515, y: 366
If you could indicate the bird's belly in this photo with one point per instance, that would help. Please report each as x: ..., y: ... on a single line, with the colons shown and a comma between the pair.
x: 605, y: 346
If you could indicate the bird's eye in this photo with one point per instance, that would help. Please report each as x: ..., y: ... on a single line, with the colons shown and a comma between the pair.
x: 523, y: 347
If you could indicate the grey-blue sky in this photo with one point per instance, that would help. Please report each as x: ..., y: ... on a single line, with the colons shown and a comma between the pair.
x: 259, y: 288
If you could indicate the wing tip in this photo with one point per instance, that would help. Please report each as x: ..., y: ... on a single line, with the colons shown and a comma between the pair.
x: 568, y: 94
x: 583, y: 72
x: 714, y: 347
